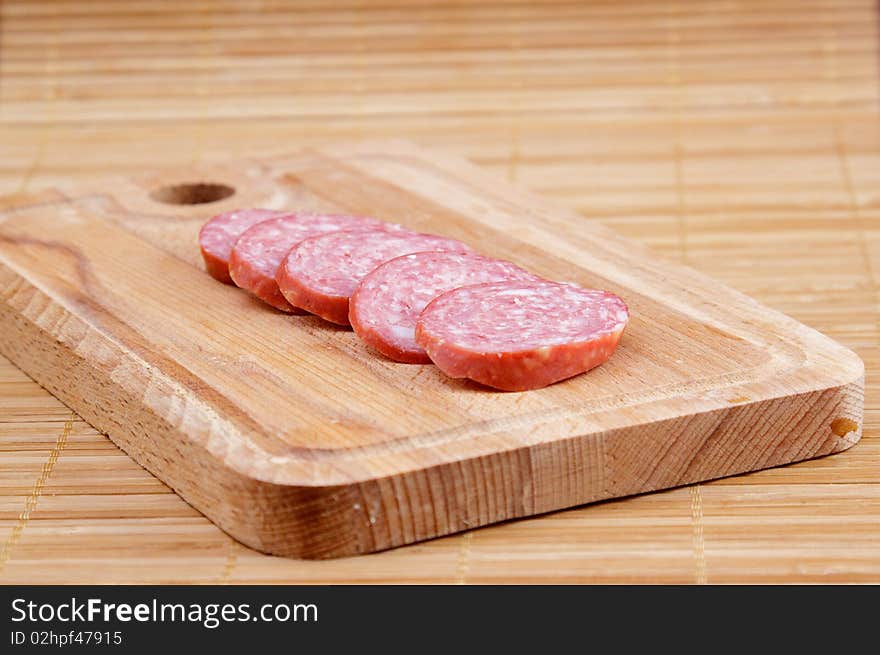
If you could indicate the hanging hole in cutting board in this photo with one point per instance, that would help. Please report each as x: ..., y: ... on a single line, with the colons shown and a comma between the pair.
x: 199, y: 193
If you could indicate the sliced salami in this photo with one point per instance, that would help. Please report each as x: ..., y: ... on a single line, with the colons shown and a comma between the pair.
x: 255, y: 258
x: 386, y: 304
x: 219, y: 234
x: 321, y: 273
x: 517, y: 336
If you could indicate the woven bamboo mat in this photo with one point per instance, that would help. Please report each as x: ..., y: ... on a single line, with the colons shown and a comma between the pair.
x: 741, y: 138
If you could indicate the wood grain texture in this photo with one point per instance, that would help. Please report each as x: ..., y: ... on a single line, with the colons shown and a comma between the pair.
x: 740, y: 139
x: 296, y: 439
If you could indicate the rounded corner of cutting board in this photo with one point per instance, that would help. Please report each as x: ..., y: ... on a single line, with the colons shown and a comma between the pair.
x: 302, y: 522
x: 855, y: 369
x: 840, y: 368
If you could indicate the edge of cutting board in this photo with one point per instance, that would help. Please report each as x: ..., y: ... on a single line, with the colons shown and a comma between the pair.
x: 351, y: 515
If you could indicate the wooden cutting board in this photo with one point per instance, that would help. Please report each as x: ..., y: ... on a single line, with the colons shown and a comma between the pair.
x: 296, y: 439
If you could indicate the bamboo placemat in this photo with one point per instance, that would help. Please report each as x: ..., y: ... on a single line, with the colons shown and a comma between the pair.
x: 740, y: 138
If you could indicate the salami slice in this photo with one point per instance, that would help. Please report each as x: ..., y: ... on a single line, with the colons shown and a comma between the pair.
x: 219, y: 234
x: 321, y: 273
x: 517, y: 336
x: 259, y: 250
x: 387, y: 303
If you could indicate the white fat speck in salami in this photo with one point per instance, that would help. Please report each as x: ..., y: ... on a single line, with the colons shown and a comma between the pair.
x: 258, y: 252
x: 386, y: 304
x: 220, y: 233
x: 321, y: 273
x: 517, y: 336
